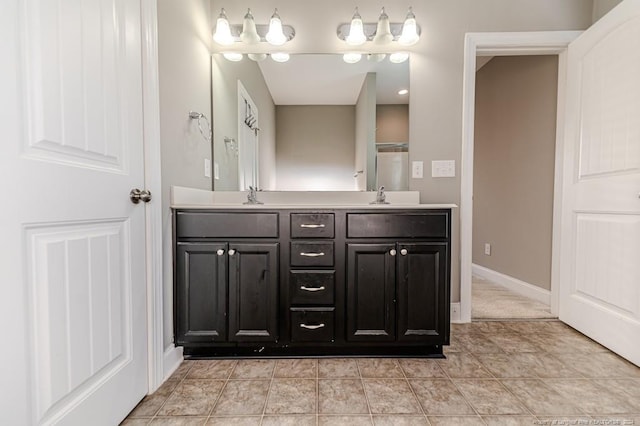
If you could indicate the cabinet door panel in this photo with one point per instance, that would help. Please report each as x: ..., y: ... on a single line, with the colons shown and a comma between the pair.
x: 201, y: 293
x: 370, y: 292
x: 422, y: 294
x: 253, y: 292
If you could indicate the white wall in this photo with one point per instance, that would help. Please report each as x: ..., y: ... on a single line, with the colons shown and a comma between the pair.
x: 184, y: 68
x: 365, y: 136
x: 436, y: 63
x: 315, y: 147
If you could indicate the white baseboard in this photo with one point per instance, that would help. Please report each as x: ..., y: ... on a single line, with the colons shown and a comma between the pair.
x: 517, y: 286
x: 455, y: 312
x: 172, y: 359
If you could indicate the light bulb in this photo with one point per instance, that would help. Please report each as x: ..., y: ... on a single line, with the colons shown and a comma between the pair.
x: 351, y: 58
x: 275, y: 35
x: 383, y: 30
x: 403, y: 92
x: 249, y: 33
x: 257, y: 57
x: 398, y: 57
x: 356, y: 35
x: 376, y: 57
x: 223, y: 30
x: 409, y: 34
x: 232, y: 56
x: 280, y: 57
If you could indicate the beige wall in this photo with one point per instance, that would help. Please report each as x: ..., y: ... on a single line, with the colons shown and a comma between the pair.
x: 365, y: 137
x: 514, y: 154
x: 224, y: 76
x: 601, y: 7
x: 184, y: 72
x: 392, y: 123
x: 315, y: 147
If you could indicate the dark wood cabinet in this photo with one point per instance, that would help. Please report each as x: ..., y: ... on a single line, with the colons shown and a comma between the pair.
x: 253, y: 292
x: 296, y: 282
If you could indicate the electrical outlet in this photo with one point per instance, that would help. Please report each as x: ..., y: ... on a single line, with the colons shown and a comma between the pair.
x: 207, y: 168
x: 487, y: 249
x: 455, y: 309
x: 417, y: 169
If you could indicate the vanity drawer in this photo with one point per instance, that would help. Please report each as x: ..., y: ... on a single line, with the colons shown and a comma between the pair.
x: 226, y: 225
x: 312, y: 225
x: 311, y: 253
x: 312, y: 287
x: 398, y: 225
x: 312, y: 325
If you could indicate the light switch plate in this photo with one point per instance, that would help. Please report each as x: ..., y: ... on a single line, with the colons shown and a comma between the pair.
x: 216, y: 170
x: 445, y: 168
x: 207, y: 168
x: 417, y: 169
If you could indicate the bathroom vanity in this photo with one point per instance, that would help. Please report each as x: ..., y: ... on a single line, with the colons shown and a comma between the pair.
x: 273, y: 280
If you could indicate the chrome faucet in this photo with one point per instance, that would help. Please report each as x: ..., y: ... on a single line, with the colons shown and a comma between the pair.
x: 381, y: 197
x: 252, y: 196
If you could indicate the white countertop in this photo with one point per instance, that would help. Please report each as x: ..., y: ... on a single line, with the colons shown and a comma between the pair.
x: 189, y: 198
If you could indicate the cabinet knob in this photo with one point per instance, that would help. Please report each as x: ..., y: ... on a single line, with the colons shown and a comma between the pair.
x: 403, y: 252
x: 220, y: 252
x: 392, y: 252
x: 232, y: 252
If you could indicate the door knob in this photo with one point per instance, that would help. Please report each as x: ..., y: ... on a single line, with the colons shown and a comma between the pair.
x: 392, y: 252
x: 232, y: 252
x: 137, y: 195
x: 220, y: 252
x: 403, y: 252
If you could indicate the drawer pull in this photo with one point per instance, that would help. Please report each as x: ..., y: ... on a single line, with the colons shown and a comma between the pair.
x: 312, y: 327
x: 312, y: 225
x: 311, y: 254
x: 312, y: 288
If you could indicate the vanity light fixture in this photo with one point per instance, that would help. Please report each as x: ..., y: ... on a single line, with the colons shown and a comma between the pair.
x: 352, y: 58
x: 280, y: 57
x: 403, y: 92
x: 356, y: 35
x: 398, y: 57
x: 409, y: 34
x: 232, y: 56
x: 222, y: 34
x: 257, y: 57
x: 381, y: 32
x: 249, y: 32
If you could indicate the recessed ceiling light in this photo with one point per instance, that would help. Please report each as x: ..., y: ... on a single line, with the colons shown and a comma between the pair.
x: 403, y: 92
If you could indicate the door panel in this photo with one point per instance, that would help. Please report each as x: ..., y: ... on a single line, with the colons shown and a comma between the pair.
x: 371, y: 270
x: 71, y: 120
x: 599, y: 270
x: 201, y: 297
x: 253, y: 292
x: 422, y: 272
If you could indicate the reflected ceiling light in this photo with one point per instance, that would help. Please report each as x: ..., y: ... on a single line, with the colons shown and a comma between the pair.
x: 352, y: 58
x: 409, y: 34
x: 232, y: 56
x: 383, y: 30
x: 276, y: 35
x: 356, y: 35
x: 398, y: 57
x: 403, y: 92
x: 249, y: 32
x: 376, y: 57
x: 258, y: 57
x: 223, y: 30
x: 280, y: 57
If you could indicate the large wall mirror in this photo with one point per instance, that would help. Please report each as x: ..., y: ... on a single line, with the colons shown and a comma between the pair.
x: 312, y: 123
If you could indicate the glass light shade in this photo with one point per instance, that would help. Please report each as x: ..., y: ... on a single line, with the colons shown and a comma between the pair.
x: 398, y: 57
x: 376, y: 57
x: 409, y: 34
x: 249, y: 33
x: 351, y: 58
x: 232, y: 56
x: 223, y: 30
x: 280, y: 57
x: 383, y: 30
x: 356, y: 35
x: 275, y: 35
x: 257, y: 57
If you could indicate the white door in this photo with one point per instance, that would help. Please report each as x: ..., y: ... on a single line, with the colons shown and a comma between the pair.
x: 73, y: 290
x: 600, y: 253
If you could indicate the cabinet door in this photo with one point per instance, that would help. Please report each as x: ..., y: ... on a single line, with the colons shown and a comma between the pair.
x: 201, y: 292
x: 253, y: 292
x: 371, y: 270
x: 423, y: 297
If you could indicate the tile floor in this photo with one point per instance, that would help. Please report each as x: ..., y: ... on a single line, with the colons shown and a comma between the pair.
x: 496, y: 373
x: 490, y: 300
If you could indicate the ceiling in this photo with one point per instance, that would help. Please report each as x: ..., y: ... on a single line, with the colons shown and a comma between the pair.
x: 325, y: 79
